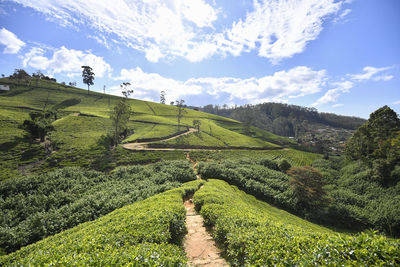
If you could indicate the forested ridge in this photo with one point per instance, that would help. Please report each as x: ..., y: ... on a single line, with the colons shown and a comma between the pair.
x: 284, y: 119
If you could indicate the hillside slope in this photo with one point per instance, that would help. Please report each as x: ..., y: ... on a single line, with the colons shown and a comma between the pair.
x: 320, y: 130
x: 83, y: 122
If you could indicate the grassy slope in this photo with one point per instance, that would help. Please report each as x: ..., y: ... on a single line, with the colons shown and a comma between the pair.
x: 78, y: 139
x: 294, y: 157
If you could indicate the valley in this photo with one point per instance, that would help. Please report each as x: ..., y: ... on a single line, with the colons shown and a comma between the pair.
x: 83, y: 195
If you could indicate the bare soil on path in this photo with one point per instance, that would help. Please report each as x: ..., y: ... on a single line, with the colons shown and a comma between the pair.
x: 199, y: 245
x: 143, y: 146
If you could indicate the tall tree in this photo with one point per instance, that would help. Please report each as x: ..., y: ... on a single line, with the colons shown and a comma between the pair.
x: 40, y: 123
x: 377, y: 144
x: 120, y: 114
x: 126, y: 89
x: 88, y: 76
x: 162, y: 97
x: 196, y: 125
x: 307, y: 185
x: 180, y: 104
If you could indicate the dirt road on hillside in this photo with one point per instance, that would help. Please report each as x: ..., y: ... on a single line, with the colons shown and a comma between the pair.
x: 143, y: 146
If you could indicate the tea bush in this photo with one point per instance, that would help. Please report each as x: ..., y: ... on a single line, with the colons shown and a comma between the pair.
x: 254, y: 233
x: 38, y: 206
x: 146, y: 233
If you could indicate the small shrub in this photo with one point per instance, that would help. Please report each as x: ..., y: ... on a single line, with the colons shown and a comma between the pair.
x: 284, y: 165
x: 270, y: 164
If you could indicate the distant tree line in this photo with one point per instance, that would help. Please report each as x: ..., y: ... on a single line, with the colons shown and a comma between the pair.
x: 283, y: 119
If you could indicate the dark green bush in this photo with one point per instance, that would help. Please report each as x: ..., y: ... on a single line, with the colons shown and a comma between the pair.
x: 270, y: 164
x: 38, y: 206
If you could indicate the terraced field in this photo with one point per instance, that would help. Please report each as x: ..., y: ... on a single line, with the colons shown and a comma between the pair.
x: 79, y: 138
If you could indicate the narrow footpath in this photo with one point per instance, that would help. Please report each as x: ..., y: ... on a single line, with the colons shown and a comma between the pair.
x: 199, y: 245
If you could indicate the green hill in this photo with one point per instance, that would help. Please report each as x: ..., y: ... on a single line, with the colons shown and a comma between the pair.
x: 83, y: 122
x: 73, y: 199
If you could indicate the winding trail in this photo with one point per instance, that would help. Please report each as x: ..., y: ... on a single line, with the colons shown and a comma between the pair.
x: 143, y: 146
x: 199, y: 245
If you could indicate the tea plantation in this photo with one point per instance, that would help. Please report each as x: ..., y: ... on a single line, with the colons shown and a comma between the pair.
x: 75, y: 198
x: 253, y: 233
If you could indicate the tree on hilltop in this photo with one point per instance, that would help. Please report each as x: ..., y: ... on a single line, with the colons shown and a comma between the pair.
x: 162, y: 97
x: 88, y: 76
x: 180, y: 104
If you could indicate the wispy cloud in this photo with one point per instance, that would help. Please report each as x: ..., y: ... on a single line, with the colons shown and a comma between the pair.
x: 333, y: 95
x: 10, y: 41
x: 396, y: 102
x: 295, y: 82
x: 337, y: 105
x: 165, y: 29
x: 371, y: 73
x: 342, y: 16
x: 65, y: 61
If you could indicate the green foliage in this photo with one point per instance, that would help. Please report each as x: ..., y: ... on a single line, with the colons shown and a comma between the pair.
x: 294, y: 157
x: 88, y: 76
x: 254, y: 233
x: 38, y: 206
x: 149, y: 131
x: 120, y: 117
x: 377, y: 144
x: 146, y: 233
x: 39, y: 124
x: 356, y: 201
x: 181, y: 111
x: 284, y: 165
x: 197, y: 124
x: 258, y: 180
x: 307, y: 186
x: 270, y: 164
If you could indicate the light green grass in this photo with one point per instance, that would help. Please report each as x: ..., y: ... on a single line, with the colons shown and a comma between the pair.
x: 257, y: 133
x: 79, y: 132
x: 145, y: 131
x: 213, y: 135
x: 10, y: 119
x: 294, y: 157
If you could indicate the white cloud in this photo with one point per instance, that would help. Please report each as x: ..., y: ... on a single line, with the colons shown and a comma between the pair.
x: 101, y: 40
x: 332, y: 95
x: 337, y: 105
x: 178, y: 28
x: 370, y: 73
x: 65, y: 61
x: 396, y: 103
x: 10, y: 41
x: 280, y: 28
x: 198, y: 12
x: 342, y: 16
x: 295, y: 82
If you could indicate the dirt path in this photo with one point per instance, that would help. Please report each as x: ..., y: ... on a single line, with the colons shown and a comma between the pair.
x: 194, y: 165
x: 143, y: 146
x: 199, y: 245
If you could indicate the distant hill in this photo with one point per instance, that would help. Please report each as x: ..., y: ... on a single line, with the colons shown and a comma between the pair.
x: 83, y: 120
x: 306, y: 125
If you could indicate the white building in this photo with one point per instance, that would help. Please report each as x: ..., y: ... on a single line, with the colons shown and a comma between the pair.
x: 4, y: 87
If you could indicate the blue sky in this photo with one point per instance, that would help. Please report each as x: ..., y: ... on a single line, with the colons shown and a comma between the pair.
x: 338, y: 56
